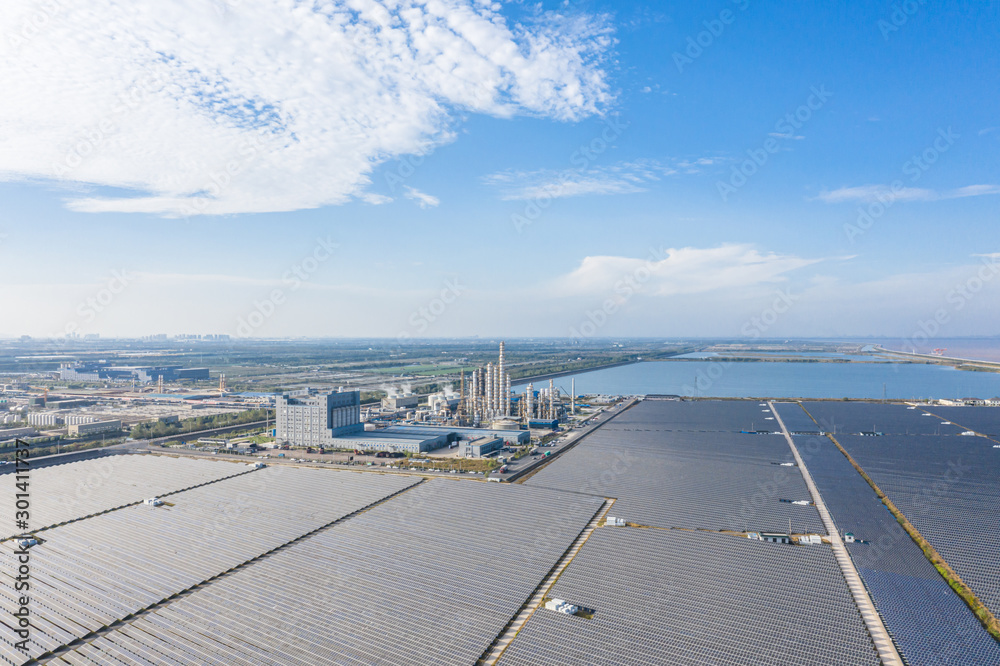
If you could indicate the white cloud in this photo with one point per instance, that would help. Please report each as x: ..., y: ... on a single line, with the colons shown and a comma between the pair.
x: 423, y: 199
x: 374, y: 199
x: 620, y: 178
x: 253, y: 106
x: 669, y: 272
x: 885, y: 193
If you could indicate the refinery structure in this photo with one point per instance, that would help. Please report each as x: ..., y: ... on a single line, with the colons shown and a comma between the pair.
x: 487, y: 397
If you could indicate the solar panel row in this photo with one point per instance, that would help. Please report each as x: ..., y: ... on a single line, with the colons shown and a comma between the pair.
x: 985, y: 420
x: 928, y: 622
x: 421, y: 579
x: 711, y: 480
x: 88, y: 574
x: 677, y: 597
x: 947, y: 487
x: 74, y: 490
x: 891, y: 419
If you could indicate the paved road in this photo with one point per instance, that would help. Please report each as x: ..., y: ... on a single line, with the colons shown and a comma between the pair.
x: 518, y: 468
x: 876, y: 629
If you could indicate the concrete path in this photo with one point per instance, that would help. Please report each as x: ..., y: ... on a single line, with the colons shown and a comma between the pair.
x: 536, y: 599
x: 886, y: 648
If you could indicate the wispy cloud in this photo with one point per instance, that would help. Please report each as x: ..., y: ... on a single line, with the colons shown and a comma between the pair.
x: 620, y: 178
x: 687, y: 270
x: 168, y: 102
x: 885, y: 193
x: 423, y: 199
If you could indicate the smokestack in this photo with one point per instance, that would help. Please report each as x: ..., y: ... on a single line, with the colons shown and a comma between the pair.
x: 552, y: 399
x: 572, y: 396
x: 506, y: 396
x: 500, y: 382
x: 490, y: 388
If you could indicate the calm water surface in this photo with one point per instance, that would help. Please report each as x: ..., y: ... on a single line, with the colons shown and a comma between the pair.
x: 719, y: 378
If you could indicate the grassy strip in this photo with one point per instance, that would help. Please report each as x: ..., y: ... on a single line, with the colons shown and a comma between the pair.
x: 987, y: 618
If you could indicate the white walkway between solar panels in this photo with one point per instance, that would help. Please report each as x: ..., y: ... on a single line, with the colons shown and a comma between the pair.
x: 536, y: 600
x: 883, y: 643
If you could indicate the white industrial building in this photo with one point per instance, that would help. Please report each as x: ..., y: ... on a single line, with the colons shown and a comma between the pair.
x: 14, y: 433
x: 45, y: 418
x: 304, y: 418
x: 78, y: 429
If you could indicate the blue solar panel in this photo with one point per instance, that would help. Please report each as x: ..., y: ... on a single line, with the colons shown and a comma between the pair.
x: 929, y: 623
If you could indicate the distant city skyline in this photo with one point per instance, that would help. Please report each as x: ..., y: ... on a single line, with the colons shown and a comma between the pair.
x: 555, y: 169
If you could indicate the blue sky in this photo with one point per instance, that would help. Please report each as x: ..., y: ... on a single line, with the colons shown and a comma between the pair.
x: 557, y: 168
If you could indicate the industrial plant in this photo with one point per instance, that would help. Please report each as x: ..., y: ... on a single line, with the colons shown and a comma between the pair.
x: 490, y: 399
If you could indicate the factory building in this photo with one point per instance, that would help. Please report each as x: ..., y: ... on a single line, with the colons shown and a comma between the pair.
x: 68, y: 403
x: 416, y: 438
x: 400, y: 401
x: 94, y: 428
x: 509, y: 437
x: 304, y: 418
x: 146, y: 374
x: 483, y: 446
x: 382, y: 440
x: 14, y: 433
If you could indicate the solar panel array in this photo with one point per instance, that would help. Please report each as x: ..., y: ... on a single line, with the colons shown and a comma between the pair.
x: 87, y: 574
x: 985, y: 420
x: 74, y: 490
x: 673, y: 598
x: 426, y: 578
x: 947, y: 487
x: 795, y: 419
x: 858, y: 417
x: 699, y: 476
x: 928, y: 622
x: 704, y: 415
